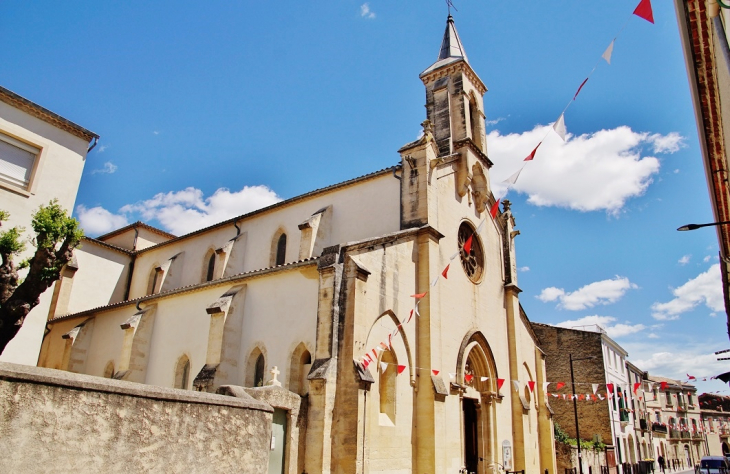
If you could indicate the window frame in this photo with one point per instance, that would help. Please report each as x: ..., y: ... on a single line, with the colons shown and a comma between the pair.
x: 30, y: 146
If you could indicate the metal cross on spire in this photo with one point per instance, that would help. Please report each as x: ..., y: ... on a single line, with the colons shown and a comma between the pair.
x: 450, y: 5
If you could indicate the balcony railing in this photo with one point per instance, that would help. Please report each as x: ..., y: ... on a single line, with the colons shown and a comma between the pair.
x: 658, y: 428
x: 674, y: 434
x: 686, y: 434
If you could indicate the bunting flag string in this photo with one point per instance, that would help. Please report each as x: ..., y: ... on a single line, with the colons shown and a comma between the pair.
x: 642, y: 10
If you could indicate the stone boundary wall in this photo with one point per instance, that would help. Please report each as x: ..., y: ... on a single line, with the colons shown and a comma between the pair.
x: 57, y: 421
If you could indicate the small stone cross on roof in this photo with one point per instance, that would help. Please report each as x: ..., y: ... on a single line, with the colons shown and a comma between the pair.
x: 274, y: 373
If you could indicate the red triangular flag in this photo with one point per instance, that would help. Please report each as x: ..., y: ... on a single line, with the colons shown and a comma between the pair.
x: 495, y: 209
x: 581, y: 87
x: 467, y: 244
x: 409, y: 317
x: 643, y: 10
x: 636, y: 387
x: 446, y: 270
x: 581, y: 396
x: 531, y: 384
x: 468, y: 378
x: 663, y: 386
x: 691, y: 377
x: 435, y: 372
x: 401, y: 368
x: 368, y: 356
x: 609, y: 387
x: 560, y: 385
x: 531, y: 156
x: 500, y: 382
x: 419, y: 295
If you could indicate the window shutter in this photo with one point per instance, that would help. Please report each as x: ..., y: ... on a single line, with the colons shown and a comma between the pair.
x: 16, y: 161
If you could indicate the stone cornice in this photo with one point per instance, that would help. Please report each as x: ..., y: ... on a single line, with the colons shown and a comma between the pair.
x: 450, y: 69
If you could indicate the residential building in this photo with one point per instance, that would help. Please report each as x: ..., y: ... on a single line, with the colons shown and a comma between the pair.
x: 386, y: 307
x: 674, y: 411
x: 643, y: 435
x: 42, y: 156
x: 715, y: 411
x: 598, y: 363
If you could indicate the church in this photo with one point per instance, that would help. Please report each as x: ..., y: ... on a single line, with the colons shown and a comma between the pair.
x: 381, y: 315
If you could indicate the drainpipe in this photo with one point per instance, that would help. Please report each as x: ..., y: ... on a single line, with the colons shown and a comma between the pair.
x: 96, y: 140
x: 131, y: 265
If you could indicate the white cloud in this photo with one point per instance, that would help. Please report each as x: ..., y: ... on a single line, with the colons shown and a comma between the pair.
x: 365, y: 11
x: 589, y: 323
x: 524, y: 269
x: 108, y: 168
x: 102, y: 148
x: 705, y: 288
x: 677, y: 362
x: 670, y: 143
x: 156, y: 132
x: 707, y: 258
x: 676, y: 171
x: 181, y: 212
x: 600, y: 292
x: 495, y: 121
x: 97, y: 220
x: 591, y: 172
x: 653, y: 336
x: 684, y: 260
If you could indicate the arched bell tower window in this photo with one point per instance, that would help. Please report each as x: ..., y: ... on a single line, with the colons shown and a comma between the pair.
x: 475, y: 121
x: 472, y: 255
x: 281, y: 250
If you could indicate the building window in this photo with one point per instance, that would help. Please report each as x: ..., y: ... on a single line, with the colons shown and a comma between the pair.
x: 17, y: 161
x: 281, y: 250
x: 182, y: 372
x: 211, y: 268
x: 472, y: 256
x: 155, y: 280
x: 258, y: 377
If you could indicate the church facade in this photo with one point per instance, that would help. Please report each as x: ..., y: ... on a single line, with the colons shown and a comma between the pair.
x: 386, y: 307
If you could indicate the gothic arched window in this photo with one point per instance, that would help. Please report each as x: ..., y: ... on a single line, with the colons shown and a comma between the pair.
x: 281, y: 250
x: 258, y: 377
x: 182, y: 372
x: 211, y: 268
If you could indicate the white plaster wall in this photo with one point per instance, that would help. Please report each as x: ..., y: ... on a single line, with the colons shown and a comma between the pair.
x: 360, y: 211
x: 100, y: 280
x: 57, y: 176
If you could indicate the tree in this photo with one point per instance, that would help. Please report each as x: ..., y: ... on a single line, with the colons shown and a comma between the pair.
x: 56, y: 236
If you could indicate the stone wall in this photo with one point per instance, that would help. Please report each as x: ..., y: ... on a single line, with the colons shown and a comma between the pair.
x: 55, y: 421
x: 558, y: 344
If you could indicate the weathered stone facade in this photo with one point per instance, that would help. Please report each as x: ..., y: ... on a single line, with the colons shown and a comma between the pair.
x: 55, y: 421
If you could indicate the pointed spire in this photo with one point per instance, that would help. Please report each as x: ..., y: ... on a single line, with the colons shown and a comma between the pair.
x: 451, y: 46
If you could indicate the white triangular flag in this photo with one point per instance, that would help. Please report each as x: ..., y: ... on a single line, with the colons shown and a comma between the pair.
x: 452, y: 376
x: 481, y: 226
x: 609, y: 51
x: 559, y: 126
x: 516, y: 384
x: 483, y: 379
x: 513, y: 179
x: 545, y: 386
x: 595, y: 387
x: 383, y: 366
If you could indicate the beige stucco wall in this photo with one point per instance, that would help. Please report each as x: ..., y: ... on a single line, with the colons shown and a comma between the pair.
x: 278, y: 312
x: 56, y: 421
x: 101, y: 277
x: 57, y: 176
x: 359, y: 211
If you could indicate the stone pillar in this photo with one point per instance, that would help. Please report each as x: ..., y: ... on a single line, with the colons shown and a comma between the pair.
x: 323, y: 375
x: 518, y: 429
x: 545, y: 432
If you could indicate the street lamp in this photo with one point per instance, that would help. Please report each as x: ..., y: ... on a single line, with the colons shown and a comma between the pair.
x: 697, y: 226
x: 575, y: 408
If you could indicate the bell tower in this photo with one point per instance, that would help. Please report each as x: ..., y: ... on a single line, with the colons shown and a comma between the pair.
x: 454, y: 132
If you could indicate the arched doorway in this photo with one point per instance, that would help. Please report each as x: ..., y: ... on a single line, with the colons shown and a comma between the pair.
x: 725, y: 448
x: 477, y: 373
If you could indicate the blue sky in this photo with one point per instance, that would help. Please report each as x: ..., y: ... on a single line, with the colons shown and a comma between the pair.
x: 210, y: 110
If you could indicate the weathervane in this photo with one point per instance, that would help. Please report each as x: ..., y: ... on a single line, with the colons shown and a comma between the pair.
x: 450, y: 5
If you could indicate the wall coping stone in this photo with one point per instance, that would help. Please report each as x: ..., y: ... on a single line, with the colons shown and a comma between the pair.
x: 60, y: 378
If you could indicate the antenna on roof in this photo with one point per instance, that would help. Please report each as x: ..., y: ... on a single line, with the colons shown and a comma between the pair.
x: 450, y: 5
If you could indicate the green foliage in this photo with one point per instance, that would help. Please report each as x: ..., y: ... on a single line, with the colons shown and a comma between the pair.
x: 562, y: 437
x: 4, y: 215
x: 52, y: 225
x: 10, y: 241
